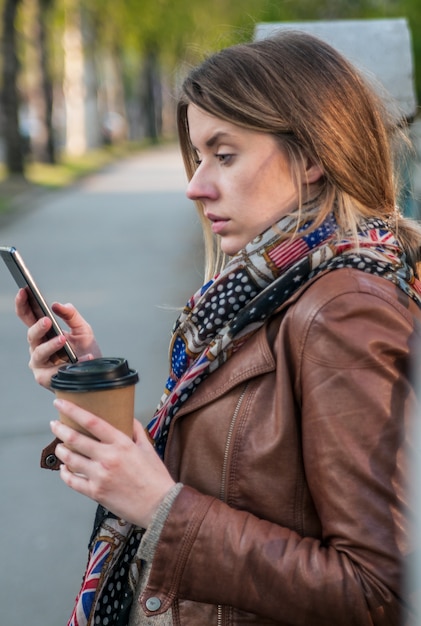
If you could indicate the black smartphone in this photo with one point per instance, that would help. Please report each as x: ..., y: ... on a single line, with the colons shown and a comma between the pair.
x: 40, y: 308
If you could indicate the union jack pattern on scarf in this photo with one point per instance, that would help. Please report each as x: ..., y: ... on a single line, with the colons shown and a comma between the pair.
x: 86, y: 595
x: 105, y: 552
x: 379, y: 238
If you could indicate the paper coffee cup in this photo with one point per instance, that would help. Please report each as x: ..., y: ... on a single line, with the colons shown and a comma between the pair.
x: 104, y: 386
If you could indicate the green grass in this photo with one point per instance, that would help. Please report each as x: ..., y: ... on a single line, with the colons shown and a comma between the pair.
x: 45, y: 177
x: 71, y: 168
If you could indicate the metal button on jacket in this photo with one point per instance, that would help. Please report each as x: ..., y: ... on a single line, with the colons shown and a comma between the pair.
x: 51, y: 460
x: 153, y: 604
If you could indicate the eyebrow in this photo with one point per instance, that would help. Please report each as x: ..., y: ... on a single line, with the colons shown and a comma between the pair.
x: 215, y: 138
x: 220, y: 134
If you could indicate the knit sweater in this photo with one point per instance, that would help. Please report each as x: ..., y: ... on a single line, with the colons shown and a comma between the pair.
x: 146, y: 553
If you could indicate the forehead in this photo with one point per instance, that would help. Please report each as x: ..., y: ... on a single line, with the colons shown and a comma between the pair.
x: 206, y: 129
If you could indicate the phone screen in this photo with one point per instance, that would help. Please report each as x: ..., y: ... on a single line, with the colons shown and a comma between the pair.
x: 40, y: 308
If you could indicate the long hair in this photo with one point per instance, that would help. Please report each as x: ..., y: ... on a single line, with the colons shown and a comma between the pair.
x: 302, y: 91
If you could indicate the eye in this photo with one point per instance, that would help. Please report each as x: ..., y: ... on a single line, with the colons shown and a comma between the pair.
x: 196, y: 158
x: 224, y: 159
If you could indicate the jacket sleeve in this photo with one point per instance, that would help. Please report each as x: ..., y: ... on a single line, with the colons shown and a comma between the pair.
x: 352, y: 357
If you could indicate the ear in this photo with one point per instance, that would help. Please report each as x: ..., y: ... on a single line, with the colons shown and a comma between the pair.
x: 313, y: 172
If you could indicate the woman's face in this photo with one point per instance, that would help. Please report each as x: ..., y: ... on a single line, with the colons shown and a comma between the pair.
x: 243, y: 179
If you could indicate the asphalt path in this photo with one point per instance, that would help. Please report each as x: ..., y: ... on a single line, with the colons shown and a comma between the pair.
x: 124, y: 246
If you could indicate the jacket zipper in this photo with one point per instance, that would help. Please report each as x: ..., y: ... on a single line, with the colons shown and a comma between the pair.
x: 222, y: 493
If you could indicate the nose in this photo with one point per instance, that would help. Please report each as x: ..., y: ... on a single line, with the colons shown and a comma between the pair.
x: 200, y: 185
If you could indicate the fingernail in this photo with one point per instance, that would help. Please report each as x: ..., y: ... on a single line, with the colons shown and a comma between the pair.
x: 58, y: 403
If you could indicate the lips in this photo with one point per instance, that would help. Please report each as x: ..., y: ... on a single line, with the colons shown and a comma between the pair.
x: 218, y: 223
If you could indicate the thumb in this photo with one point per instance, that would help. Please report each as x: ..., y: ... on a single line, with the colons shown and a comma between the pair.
x: 70, y: 315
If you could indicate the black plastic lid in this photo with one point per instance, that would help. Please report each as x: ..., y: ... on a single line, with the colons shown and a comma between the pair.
x: 102, y: 373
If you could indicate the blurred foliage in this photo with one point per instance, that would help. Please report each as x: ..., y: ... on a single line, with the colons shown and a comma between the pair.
x: 178, y: 33
x: 183, y: 31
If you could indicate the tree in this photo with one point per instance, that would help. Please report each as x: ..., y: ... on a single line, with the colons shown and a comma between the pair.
x: 44, y: 6
x: 128, y: 65
x: 10, y: 98
x: 79, y: 81
x: 36, y: 82
x: 151, y: 92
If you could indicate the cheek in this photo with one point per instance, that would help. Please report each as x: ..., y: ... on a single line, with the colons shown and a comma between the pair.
x: 263, y: 192
x: 256, y: 191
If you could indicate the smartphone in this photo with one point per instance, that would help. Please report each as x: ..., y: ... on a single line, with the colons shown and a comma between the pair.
x: 40, y: 308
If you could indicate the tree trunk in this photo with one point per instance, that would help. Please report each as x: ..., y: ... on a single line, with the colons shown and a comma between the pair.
x: 152, y: 95
x: 10, y: 100
x: 80, y: 82
x: 114, y: 112
x: 46, y: 83
x: 73, y: 87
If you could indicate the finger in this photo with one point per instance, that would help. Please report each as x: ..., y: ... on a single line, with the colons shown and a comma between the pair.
x: 138, y: 431
x: 94, y: 425
x: 75, y: 462
x: 86, y: 357
x: 75, y: 481
x: 23, y: 309
x: 43, y: 353
x: 74, y: 440
x: 71, y: 316
x: 37, y: 331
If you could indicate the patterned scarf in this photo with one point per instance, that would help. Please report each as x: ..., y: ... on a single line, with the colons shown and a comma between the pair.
x: 220, y: 317
x: 214, y: 324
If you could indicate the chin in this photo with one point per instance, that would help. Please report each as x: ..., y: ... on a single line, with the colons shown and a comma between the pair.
x: 232, y: 248
x: 231, y: 251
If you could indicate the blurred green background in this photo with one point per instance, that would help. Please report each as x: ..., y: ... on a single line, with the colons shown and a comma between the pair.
x: 85, y: 81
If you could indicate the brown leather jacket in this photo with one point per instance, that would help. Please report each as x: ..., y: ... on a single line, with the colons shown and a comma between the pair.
x: 292, y: 457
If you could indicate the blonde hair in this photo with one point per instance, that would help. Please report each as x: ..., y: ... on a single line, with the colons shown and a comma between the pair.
x: 301, y: 90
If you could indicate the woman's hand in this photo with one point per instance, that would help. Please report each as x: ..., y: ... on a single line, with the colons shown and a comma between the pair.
x: 127, y: 477
x: 44, y: 362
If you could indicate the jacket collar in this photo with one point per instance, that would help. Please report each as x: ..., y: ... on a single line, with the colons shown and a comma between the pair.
x: 252, y: 359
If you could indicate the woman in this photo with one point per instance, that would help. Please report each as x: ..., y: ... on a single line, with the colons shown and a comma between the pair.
x: 281, y: 497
